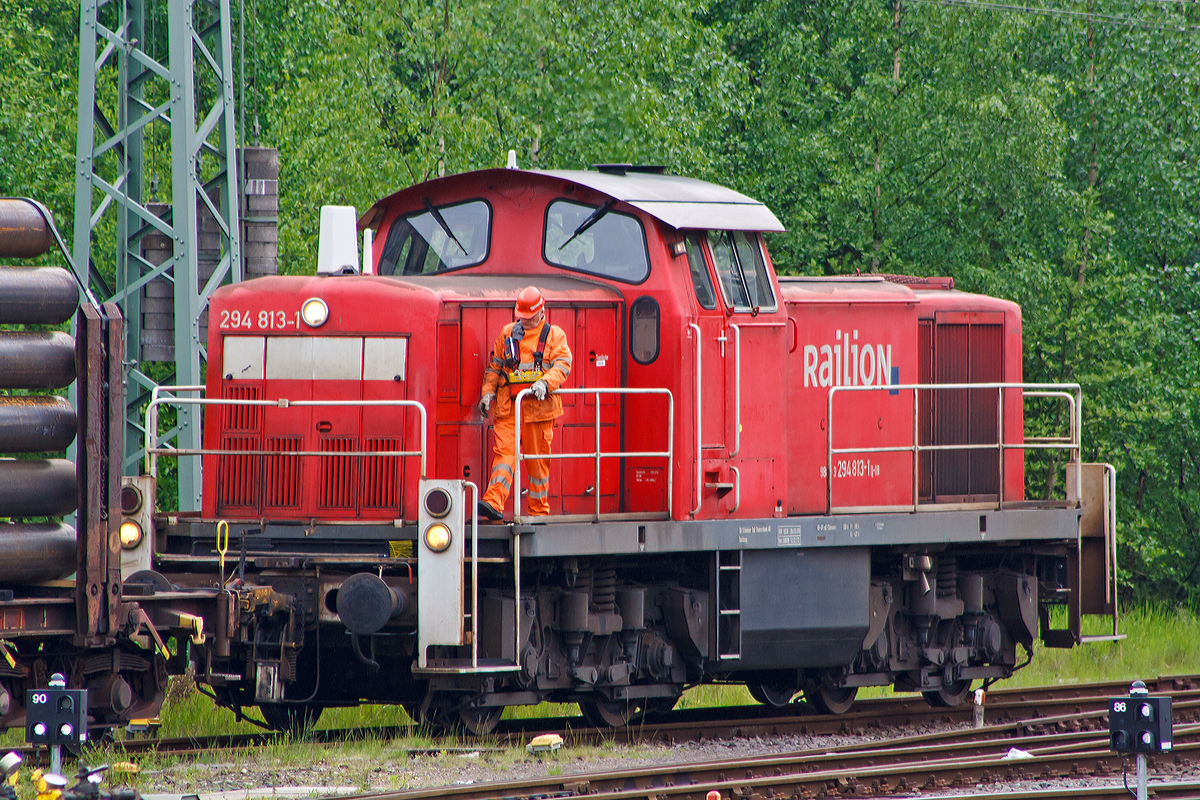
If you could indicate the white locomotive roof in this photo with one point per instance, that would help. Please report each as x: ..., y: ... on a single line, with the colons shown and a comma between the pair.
x: 685, y: 203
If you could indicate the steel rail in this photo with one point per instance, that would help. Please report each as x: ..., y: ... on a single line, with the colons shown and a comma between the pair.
x: 1010, y: 712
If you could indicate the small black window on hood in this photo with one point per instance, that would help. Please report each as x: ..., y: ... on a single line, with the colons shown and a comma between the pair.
x: 643, y: 330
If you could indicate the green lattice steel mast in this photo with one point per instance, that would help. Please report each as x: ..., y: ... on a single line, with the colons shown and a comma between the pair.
x: 125, y: 93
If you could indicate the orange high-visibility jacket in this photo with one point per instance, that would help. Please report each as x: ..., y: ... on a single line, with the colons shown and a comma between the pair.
x: 556, y: 366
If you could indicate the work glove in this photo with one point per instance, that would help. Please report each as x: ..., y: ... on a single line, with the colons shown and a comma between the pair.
x: 539, y: 389
x: 485, y: 404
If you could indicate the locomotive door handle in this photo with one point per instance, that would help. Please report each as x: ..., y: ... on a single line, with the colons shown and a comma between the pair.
x: 737, y: 489
x: 723, y: 339
x: 324, y: 427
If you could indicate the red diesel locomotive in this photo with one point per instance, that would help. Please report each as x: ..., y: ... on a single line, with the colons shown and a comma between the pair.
x: 800, y: 484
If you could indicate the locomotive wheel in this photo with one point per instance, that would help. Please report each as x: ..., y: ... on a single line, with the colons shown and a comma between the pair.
x: 610, y: 713
x: 831, y: 699
x: 436, y: 714
x: 480, y: 721
x: 661, y: 706
x: 948, y: 696
x: 775, y: 695
x: 294, y: 720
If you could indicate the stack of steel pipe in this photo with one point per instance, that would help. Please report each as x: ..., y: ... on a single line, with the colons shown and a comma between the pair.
x: 36, y: 489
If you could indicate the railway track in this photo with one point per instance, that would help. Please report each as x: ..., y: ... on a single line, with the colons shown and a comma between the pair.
x: 1056, y: 734
x: 1075, y: 707
x: 1167, y: 790
x: 928, y: 763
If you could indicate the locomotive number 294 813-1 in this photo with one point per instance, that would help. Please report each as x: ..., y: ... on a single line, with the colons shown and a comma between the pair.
x: 854, y: 468
x: 259, y: 320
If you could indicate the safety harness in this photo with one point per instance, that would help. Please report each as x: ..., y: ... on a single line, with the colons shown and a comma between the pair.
x: 513, y: 374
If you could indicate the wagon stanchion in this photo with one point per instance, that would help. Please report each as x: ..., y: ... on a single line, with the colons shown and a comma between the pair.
x: 222, y: 549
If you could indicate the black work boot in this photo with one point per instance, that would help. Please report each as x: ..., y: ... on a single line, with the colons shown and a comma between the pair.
x: 487, y: 512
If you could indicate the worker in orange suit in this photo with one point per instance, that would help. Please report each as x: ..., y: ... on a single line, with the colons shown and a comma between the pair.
x: 530, y: 353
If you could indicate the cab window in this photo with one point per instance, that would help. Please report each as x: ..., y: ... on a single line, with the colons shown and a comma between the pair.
x: 420, y: 244
x: 610, y: 244
x: 741, y: 271
x: 700, y: 280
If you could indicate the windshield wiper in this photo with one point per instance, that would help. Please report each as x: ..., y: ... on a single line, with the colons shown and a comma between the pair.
x: 591, y: 220
x: 437, y: 215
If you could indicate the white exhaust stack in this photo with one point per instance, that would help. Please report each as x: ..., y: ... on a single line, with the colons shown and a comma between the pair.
x: 337, y: 249
x: 368, y: 262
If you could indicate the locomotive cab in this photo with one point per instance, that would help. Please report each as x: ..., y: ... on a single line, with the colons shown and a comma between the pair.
x: 799, y: 484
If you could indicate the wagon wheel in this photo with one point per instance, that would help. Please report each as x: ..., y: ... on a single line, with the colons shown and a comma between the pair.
x: 775, y: 694
x: 480, y: 720
x: 831, y: 699
x: 603, y: 713
x: 948, y: 695
x: 295, y: 720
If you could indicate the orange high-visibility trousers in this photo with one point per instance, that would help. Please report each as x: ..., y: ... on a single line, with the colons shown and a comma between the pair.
x: 535, y: 441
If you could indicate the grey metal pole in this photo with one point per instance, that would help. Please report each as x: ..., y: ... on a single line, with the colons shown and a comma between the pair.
x: 56, y: 759
x: 1141, y: 776
x: 119, y: 48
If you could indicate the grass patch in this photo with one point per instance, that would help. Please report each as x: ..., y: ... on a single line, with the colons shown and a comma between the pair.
x: 1159, y: 641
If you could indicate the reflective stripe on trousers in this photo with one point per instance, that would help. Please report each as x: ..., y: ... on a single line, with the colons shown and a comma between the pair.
x: 536, y: 438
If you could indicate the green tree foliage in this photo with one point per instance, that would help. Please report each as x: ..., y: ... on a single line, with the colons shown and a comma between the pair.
x: 38, y: 79
x: 371, y: 98
x: 1046, y: 155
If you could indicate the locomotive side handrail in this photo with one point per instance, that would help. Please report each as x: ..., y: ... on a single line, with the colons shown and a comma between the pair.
x: 1071, y: 392
x: 699, y: 421
x: 597, y: 455
x: 737, y: 384
x: 165, y: 396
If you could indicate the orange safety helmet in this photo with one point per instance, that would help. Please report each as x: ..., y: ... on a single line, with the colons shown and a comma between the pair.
x: 529, y: 303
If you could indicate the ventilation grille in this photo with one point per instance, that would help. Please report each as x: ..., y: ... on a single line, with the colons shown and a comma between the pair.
x: 337, y: 473
x: 240, y: 418
x: 925, y: 406
x: 986, y: 367
x: 236, y: 477
x: 381, y: 476
x: 283, y: 473
x: 952, y: 420
x: 966, y: 354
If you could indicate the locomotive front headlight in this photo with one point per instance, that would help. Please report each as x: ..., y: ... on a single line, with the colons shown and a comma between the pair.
x: 131, y: 499
x: 437, y: 537
x: 437, y: 503
x: 131, y: 534
x: 314, y: 312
